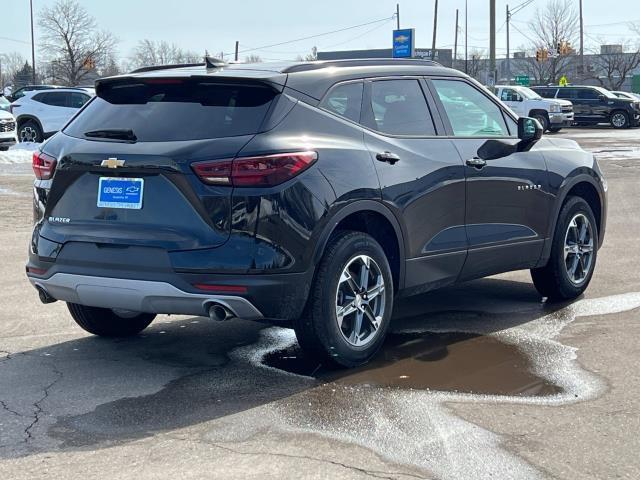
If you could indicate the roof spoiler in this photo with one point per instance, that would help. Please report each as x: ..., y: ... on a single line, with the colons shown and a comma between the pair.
x: 210, y: 63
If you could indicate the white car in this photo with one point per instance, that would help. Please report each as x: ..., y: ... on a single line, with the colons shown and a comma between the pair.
x: 553, y: 114
x: 8, y: 135
x: 41, y: 113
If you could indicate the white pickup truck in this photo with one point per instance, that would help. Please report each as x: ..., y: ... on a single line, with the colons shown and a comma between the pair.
x: 553, y: 114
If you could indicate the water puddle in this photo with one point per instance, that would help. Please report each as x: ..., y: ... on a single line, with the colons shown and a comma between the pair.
x: 447, y: 362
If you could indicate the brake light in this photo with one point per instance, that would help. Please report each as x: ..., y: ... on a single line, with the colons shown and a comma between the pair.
x: 262, y: 171
x: 43, y: 165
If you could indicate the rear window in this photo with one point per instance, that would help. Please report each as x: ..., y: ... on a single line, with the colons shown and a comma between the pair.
x: 162, y: 110
x: 546, y: 92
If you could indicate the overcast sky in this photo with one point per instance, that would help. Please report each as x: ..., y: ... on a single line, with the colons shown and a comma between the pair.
x: 215, y: 25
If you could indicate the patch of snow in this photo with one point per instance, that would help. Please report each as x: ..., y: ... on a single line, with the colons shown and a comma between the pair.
x: 20, y: 153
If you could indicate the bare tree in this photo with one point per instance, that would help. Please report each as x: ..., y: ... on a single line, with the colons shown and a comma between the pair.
x: 11, y: 63
x: 71, y: 38
x: 252, y: 59
x: 611, y: 70
x: 477, y: 64
x: 310, y: 57
x: 110, y: 67
x: 151, y: 53
x: 557, y: 22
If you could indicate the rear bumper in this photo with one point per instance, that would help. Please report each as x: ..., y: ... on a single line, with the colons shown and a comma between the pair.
x: 139, y: 296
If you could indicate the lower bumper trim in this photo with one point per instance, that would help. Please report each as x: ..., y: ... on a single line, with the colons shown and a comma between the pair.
x: 139, y: 296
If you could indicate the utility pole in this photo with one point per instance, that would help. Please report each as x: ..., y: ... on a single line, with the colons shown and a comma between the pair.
x: 237, y: 47
x: 398, y: 15
x: 455, y: 43
x: 510, y: 13
x: 492, y: 42
x: 33, y: 47
x: 581, y: 40
x: 435, y: 30
x: 466, y: 34
x: 508, y: 52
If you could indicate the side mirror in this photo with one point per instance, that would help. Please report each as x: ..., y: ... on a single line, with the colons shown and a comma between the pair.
x: 602, y: 98
x: 529, y: 132
x: 519, y: 99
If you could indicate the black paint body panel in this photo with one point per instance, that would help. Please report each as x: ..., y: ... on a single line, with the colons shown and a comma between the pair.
x: 451, y: 222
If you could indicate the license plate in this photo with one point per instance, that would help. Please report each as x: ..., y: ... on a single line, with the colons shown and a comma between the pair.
x: 116, y: 192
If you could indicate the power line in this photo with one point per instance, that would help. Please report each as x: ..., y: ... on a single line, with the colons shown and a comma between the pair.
x: 299, y: 52
x: 316, y: 35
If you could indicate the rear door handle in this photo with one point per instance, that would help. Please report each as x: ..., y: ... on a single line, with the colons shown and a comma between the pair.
x: 388, y: 157
x: 476, y: 162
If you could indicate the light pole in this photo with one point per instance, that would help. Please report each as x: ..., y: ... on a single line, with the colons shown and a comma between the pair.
x: 33, y: 47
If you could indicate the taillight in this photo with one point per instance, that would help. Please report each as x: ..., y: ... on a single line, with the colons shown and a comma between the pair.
x: 43, y: 165
x: 262, y: 171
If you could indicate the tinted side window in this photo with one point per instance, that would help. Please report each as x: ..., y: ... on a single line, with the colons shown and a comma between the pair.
x: 588, y: 94
x: 400, y: 108
x: 568, y: 93
x: 76, y: 100
x: 344, y: 100
x: 55, y: 99
x: 510, y: 95
x: 471, y: 112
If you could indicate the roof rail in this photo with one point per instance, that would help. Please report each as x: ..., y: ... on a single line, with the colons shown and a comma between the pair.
x: 359, y: 62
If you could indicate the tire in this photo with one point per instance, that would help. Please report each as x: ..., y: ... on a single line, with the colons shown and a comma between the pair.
x: 105, y: 322
x: 554, y: 280
x: 619, y: 119
x: 555, y: 129
x: 543, y: 119
x: 318, y: 331
x: 30, y: 131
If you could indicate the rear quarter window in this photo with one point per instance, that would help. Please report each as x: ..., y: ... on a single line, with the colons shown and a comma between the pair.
x: 176, y: 110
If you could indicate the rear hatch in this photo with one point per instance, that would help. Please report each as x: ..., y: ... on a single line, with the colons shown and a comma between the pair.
x: 124, y: 171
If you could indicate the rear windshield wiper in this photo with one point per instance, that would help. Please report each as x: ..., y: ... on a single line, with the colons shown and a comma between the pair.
x: 113, y: 134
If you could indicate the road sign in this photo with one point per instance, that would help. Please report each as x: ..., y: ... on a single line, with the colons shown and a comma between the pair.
x: 404, y: 43
x: 523, y: 80
x: 563, y: 81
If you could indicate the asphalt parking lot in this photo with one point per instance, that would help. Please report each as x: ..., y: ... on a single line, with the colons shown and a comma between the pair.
x: 483, y: 380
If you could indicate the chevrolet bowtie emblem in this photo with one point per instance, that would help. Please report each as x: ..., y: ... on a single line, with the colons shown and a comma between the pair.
x: 112, y: 163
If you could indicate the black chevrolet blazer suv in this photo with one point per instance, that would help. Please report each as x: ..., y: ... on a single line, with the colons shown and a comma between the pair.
x: 313, y: 195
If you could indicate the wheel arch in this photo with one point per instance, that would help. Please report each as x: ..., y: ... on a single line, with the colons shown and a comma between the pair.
x: 377, y: 220
x: 541, y: 111
x: 587, y: 186
x: 21, y: 119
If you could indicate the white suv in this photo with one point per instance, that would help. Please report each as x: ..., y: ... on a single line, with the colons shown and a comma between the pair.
x: 8, y: 136
x: 553, y: 114
x: 41, y: 113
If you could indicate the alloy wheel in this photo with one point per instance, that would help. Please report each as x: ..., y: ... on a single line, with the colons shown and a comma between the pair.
x: 619, y: 120
x: 360, y: 301
x: 578, y: 249
x: 28, y: 134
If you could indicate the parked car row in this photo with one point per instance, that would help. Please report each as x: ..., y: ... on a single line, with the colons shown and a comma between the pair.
x: 39, y: 111
x: 595, y: 105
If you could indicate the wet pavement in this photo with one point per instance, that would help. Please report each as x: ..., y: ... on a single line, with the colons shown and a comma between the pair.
x: 447, y: 362
x: 501, y: 385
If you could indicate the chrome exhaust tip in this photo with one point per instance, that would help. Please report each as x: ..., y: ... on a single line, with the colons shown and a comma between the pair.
x: 219, y: 313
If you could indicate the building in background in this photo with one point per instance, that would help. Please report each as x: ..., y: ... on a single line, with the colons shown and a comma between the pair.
x: 441, y: 55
